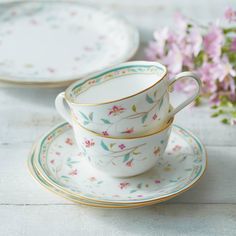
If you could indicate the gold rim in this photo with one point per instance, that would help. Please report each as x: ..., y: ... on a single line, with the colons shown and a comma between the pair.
x: 143, y: 203
x: 166, y: 126
x: 36, y: 84
x: 68, y: 98
x: 126, y: 206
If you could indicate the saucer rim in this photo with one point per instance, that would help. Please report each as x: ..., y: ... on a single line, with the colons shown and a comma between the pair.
x: 47, y: 179
x: 97, y: 204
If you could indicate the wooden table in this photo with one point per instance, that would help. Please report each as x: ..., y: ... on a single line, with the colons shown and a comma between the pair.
x: 27, y: 209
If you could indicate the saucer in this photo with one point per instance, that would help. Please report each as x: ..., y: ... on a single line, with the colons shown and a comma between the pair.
x: 62, y: 166
x: 59, y: 42
x: 39, y: 179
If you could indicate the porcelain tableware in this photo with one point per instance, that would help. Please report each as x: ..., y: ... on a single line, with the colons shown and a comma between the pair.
x: 123, y: 101
x: 125, y: 157
x: 62, y: 167
x: 37, y: 176
x: 60, y: 41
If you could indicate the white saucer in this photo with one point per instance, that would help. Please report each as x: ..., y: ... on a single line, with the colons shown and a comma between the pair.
x: 54, y: 42
x: 62, y: 166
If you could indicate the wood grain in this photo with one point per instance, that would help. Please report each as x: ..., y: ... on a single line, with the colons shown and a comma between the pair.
x: 180, y: 219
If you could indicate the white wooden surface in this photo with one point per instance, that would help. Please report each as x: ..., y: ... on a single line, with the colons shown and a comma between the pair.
x: 27, y: 209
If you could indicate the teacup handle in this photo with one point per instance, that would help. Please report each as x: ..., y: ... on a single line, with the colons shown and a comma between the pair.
x: 180, y: 76
x: 62, y: 109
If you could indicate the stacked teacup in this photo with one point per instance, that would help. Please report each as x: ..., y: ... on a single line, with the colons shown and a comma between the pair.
x: 122, y: 116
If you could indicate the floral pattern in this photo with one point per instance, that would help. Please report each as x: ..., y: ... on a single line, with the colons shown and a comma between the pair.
x: 89, y: 143
x: 177, y: 170
x: 66, y: 20
x: 116, y: 110
x: 123, y: 71
x: 153, y: 104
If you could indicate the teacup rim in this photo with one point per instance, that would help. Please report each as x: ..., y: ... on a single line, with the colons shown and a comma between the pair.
x: 166, y: 126
x: 106, y: 70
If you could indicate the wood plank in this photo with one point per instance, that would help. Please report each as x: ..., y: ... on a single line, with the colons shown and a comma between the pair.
x: 180, y: 219
x: 18, y: 187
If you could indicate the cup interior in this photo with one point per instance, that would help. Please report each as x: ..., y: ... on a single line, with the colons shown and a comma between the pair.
x: 116, y: 83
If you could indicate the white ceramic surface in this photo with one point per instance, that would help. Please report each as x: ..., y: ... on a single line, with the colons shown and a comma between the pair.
x: 126, y: 100
x: 62, y: 166
x: 45, y: 41
x: 122, y: 157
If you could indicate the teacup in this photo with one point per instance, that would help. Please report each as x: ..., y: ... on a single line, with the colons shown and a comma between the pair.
x: 124, y: 101
x: 122, y: 157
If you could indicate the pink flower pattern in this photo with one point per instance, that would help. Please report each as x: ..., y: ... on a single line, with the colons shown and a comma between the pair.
x: 124, y: 185
x: 105, y: 133
x: 129, y: 163
x: 89, y: 143
x: 128, y: 131
x: 69, y: 141
x: 122, y: 146
x: 116, y: 110
x: 73, y: 172
x: 230, y: 14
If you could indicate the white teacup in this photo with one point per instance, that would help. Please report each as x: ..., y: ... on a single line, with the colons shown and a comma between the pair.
x: 123, y: 101
x: 122, y: 157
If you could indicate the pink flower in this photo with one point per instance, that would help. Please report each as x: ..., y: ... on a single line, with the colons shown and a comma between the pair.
x: 116, y: 110
x: 226, y: 73
x: 124, y: 185
x: 154, y: 117
x: 156, y: 48
x: 122, y: 146
x: 208, y: 76
x: 105, y: 133
x: 129, y: 163
x: 157, y: 181
x: 69, y: 141
x: 213, y: 41
x: 230, y: 14
x: 89, y: 143
x: 151, y: 52
x: 73, y: 172
x: 233, y: 45
x: 174, y: 59
x: 177, y: 148
x: 160, y: 37
x: 181, y: 23
x: 128, y: 131
x: 214, y: 99
x: 195, y: 40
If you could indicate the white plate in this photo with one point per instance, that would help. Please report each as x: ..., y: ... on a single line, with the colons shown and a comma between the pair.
x: 42, y: 42
x: 59, y: 162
